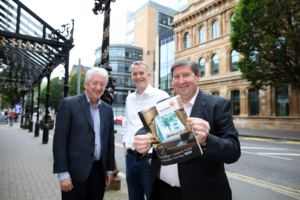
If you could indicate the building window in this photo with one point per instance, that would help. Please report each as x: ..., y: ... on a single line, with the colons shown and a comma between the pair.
x: 235, y: 102
x: 202, y: 66
x: 202, y: 35
x: 282, y: 101
x: 253, y: 102
x: 130, y: 38
x: 164, y: 19
x: 231, y: 20
x: 215, y: 65
x: 130, y: 25
x: 215, y: 30
x: 187, y: 40
x: 215, y: 94
x: 162, y: 29
x: 234, y: 58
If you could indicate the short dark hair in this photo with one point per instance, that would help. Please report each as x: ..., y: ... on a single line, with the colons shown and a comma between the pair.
x: 183, y: 62
x: 139, y: 62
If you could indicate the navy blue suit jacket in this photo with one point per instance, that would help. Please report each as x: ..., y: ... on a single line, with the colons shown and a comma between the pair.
x: 204, y: 177
x: 74, y: 138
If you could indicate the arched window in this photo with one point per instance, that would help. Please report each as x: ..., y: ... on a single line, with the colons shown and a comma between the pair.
x: 215, y: 94
x: 282, y: 101
x: 235, y: 102
x: 253, y: 102
x: 202, y: 66
x: 202, y: 35
x: 234, y: 58
x: 187, y: 40
x: 215, y: 30
x: 231, y: 20
x: 215, y: 65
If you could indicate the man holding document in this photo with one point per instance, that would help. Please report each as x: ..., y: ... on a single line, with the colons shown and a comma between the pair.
x: 210, y: 117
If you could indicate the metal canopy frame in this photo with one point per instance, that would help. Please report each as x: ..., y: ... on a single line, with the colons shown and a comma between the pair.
x: 29, y: 47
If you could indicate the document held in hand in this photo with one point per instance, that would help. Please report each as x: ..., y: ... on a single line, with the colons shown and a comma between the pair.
x: 171, y: 135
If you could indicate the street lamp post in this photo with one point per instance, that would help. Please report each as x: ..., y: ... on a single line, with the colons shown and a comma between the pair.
x: 108, y: 95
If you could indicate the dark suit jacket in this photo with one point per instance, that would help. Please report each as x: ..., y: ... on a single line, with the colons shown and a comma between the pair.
x: 204, y: 177
x: 74, y: 138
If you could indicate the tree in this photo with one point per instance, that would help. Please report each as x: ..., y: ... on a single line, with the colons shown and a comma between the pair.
x: 56, y: 90
x: 73, y: 83
x: 267, y: 33
x: 9, y: 97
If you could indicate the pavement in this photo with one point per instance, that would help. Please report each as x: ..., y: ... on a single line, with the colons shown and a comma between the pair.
x: 26, y: 164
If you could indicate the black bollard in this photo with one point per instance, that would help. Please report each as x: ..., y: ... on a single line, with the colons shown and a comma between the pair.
x: 46, y: 134
x: 30, y: 126
x: 37, y: 129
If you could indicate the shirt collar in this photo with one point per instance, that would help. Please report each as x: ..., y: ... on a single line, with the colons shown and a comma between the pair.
x: 147, y: 91
x: 90, y: 102
x: 192, y: 101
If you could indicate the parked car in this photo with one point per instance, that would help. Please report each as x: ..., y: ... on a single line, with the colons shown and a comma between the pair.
x: 119, y: 119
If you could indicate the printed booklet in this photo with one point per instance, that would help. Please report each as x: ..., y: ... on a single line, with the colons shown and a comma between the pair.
x: 168, y: 127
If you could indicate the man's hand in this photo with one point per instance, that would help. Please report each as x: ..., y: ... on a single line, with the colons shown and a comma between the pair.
x: 142, y: 143
x: 125, y: 149
x: 108, y: 181
x: 201, y: 129
x: 66, y: 185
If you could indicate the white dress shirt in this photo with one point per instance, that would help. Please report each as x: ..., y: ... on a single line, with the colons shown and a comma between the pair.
x: 169, y: 173
x: 134, y: 104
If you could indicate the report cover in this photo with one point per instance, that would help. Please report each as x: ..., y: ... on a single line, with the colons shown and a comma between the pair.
x: 168, y: 127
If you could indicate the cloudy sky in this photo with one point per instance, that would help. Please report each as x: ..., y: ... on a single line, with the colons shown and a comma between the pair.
x: 88, y: 27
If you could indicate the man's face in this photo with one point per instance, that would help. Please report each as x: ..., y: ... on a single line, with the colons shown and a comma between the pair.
x: 185, y: 82
x: 95, y: 88
x: 140, y: 76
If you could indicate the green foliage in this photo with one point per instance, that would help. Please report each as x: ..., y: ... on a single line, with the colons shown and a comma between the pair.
x: 267, y: 33
x: 56, y: 90
x: 9, y: 97
x: 73, y: 83
x: 167, y: 119
x: 96, y: 64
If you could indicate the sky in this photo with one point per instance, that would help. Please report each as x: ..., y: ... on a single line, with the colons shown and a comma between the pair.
x: 88, y: 27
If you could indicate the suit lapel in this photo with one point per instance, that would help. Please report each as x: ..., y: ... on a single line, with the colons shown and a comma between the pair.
x: 199, y: 105
x: 85, y: 107
x: 102, y: 115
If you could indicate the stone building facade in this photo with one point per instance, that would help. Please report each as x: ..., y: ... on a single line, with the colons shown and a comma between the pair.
x: 202, y: 32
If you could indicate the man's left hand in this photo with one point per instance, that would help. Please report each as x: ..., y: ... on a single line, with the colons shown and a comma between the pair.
x: 201, y: 129
x: 109, y: 178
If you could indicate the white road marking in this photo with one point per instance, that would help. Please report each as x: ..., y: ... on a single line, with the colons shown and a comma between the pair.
x: 280, y: 154
x: 262, y: 148
x: 266, y: 155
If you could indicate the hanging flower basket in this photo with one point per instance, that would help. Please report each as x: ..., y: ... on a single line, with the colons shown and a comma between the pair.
x: 50, y: 122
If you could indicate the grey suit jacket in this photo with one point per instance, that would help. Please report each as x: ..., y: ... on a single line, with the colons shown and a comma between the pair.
x: 74, y: 138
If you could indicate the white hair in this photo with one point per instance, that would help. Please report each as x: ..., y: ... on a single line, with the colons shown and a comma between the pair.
x: 96, y: 70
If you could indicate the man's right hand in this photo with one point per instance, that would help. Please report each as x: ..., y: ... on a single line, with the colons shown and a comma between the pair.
x: 125, y: 149
x: 142, y: 143
x: 66, y: 185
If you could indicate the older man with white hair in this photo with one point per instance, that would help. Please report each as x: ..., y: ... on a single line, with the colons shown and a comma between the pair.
x: 83, y: 145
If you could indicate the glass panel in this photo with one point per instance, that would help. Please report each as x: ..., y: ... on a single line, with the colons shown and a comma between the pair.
x: 130, y: 38
x: 215, y: 94
x: 187, y: 40
x: 130, y: 25
x: 121, y: 52
x: 215, y: 30
x: 162, y: 29
x: 282, y: 101
x: 202, y: 35
x: 30, y: 26
x: 8, y: 16
x: 234, y: 58
x: 235, y: 102
x: 164, y: 19
x: 253, y: 102
x: 202, y: 66
x: 231, y: 19
x: 215, y: 65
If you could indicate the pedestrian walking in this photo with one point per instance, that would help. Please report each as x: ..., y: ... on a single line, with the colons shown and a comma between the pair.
x: 11, y: 118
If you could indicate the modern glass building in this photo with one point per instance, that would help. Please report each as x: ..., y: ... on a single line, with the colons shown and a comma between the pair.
x: 121, y: 57
x: 166, y: 59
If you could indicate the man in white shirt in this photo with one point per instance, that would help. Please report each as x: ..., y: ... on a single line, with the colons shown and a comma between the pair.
x: 145, y: 96
x: 210, y: 116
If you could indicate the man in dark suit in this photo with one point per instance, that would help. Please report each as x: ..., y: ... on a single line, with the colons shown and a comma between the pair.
x: 83, y: 145
x: 210, y: 116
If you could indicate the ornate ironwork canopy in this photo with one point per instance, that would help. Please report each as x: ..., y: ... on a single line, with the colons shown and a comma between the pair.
x: 29, y: 47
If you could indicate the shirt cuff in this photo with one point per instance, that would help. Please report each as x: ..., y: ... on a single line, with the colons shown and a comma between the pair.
x: 110, y: 172
x: 64, y: 175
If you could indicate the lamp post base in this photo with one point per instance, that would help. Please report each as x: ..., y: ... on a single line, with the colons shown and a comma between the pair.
x: 37, y: 129
x: 46, y: 134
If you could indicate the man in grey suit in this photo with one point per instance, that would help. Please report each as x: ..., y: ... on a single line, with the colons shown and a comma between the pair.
x: 83, y: 145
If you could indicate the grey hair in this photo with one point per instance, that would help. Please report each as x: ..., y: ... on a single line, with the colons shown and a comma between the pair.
x: 139, y: 62
x: 185, y: 62
x: 96, y: 70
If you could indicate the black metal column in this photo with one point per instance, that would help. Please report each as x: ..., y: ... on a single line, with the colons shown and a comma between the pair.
x: 46, y: 126
x: 22, y: 108
x: 31, y: 112
x: 66, y: 86
x: 37, y: 123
